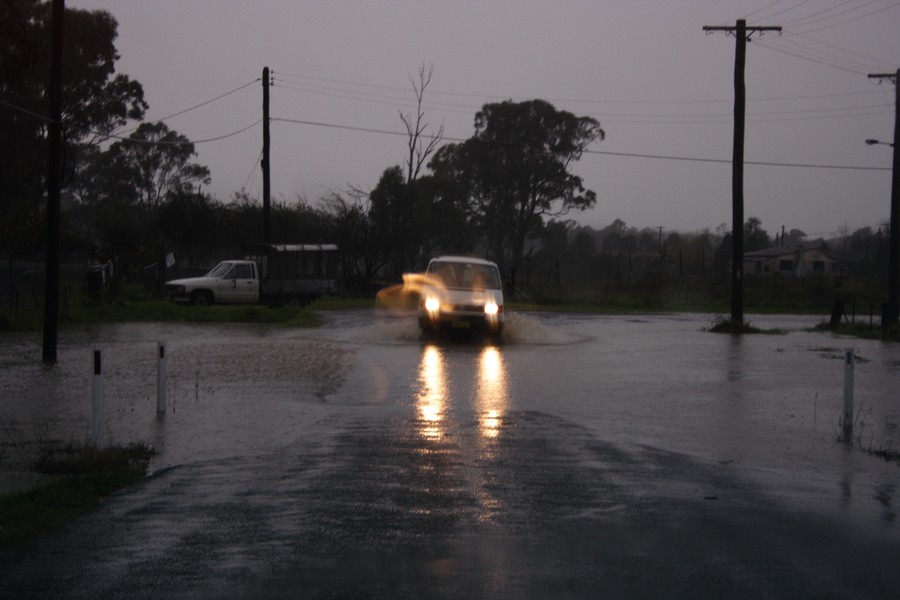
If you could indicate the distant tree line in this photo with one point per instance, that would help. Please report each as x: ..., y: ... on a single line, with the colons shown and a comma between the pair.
x: 504, y: 193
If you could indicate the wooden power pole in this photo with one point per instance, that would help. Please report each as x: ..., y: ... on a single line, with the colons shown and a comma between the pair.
x: 741, y: 33
x: 893, y: 308
x: 54, y: 183
x: 265, y: 159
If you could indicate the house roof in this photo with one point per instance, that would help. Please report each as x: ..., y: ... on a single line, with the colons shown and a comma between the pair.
x: 791, y: 251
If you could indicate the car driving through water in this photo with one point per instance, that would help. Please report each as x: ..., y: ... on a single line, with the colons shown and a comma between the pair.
x: 461, y: 294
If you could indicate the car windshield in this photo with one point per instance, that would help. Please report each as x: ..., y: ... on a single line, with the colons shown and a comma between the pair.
x: 220, y: 270
x: 465, y: 276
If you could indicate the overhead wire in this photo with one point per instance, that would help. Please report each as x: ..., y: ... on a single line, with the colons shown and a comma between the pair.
x: 869, y: 59
x: 809, y: 16
x: 185, y: 142
x: 802, y: 46
x: 30, y: 113
x: 822, y: 15
x: 251, y: 176
x: 202, y: 104
x: 295, y: 82
x: 589, y: 151
x: 795, y: 54
x: 767, y: 7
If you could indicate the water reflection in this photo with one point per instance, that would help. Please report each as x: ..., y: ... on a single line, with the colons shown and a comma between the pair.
x: 491, y: 400
x: 432, y: 392
x: 490, y: 397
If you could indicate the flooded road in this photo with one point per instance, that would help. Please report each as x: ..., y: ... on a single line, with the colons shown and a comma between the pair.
x: 584, y: 456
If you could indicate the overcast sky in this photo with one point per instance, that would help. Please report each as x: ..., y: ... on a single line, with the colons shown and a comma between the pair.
x: 660, y: 86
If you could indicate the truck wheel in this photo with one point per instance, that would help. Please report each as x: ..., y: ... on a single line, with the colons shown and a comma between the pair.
x: 201, y: 298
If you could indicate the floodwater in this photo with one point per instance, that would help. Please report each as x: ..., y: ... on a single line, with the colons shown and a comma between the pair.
x: 426, y: 445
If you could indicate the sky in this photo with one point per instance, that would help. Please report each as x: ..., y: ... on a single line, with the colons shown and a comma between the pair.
x: 661, y: 87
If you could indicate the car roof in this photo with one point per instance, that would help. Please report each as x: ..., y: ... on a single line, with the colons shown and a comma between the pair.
x: 462, y: 259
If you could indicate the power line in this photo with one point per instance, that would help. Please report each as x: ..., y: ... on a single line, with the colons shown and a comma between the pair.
x: 251, y: 176
x: 835, y: 47
x: 801, y: 45
x: 181, y: 143
x: 645, y: 118
x: 597, y: 152
x: 728, y: 161
x: 822, y: 15
x: 393, y: 100
x: 30, y: 113
x: 875, y: 12
x: 810, y: 59
x: 780, y: 12
x: 196, y: 106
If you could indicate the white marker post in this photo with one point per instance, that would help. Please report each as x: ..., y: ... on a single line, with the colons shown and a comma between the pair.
x: 98, y: 416
x: 161, y: 378
x: 849, y: 361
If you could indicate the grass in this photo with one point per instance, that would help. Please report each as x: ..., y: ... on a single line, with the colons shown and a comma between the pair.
x: 862, y: 330
x: 83, y: 477
x: 725, y: 325
x: 888, y: 455
x: 132, y: 306
x: 764, y: 297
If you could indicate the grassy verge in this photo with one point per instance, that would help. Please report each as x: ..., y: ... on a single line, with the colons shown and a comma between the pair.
x: 864, y: 331
x: 888, y: 455
x: 83, y: 477
x: 132, y: 306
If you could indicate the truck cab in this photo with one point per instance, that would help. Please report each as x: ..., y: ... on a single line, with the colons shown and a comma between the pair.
x: 229, y: 282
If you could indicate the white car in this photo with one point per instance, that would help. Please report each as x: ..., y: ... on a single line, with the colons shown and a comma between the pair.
x: 461, y: 294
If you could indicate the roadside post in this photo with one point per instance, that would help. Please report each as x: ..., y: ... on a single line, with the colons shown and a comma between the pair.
x: 849, y: 362
x: 98, y: 416
x: 161, y: 378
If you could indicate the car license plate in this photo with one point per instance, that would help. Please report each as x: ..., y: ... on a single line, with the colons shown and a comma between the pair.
x: 460, y: 324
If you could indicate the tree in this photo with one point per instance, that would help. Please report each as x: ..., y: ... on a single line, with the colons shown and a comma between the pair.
x: 517, y: 168
x: 189, y: 219
x: 390, y: 219
x: 794, y: 237
x: 755, y: 237
x: 146, y: 169
x: 96, y: 101
x: 420, y: 148
x: 353, y: 232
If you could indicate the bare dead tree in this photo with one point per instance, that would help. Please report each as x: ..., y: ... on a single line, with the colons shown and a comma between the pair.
x: 420, y: 146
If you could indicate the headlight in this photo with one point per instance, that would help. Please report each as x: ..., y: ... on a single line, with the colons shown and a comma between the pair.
x: 432, y: 304
x: 491, y: 308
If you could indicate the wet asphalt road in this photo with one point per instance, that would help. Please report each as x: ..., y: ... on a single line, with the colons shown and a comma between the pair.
x: 450, y: 470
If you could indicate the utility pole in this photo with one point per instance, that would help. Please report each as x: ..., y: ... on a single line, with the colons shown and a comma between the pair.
x: 893, y: 308
x: 741, y: 33
x: 265, y: 159
x: 54, y: 182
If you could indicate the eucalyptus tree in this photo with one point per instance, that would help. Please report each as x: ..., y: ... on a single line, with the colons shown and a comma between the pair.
x: 96, y: 102
x: 517, y: 167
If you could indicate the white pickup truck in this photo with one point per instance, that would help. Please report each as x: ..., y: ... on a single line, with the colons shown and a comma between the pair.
x: 230, y: 282
x: 281, y: 274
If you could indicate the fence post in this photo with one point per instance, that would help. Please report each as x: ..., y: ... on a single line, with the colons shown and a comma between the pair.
x: 849, y: 361
x: 161, y: 378
x: 98, y: 416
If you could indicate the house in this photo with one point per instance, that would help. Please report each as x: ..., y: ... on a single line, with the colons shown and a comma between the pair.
x: 794, y: 261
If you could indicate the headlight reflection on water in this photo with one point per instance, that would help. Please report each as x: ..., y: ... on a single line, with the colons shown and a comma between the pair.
x: 433, y: 392
x: 490, y: 401
x: 492, y: 393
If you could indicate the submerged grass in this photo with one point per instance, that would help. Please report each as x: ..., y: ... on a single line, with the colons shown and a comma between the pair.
x: 862, y: 330
x: 886, y: 454
x: 722, y: 324
x: 83, y: 476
